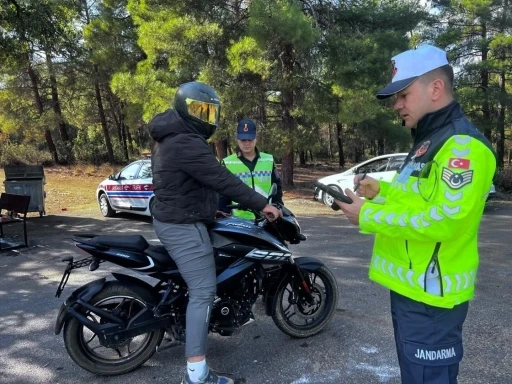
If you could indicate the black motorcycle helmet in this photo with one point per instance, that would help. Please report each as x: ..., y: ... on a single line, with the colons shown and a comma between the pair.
x: 199, y: 105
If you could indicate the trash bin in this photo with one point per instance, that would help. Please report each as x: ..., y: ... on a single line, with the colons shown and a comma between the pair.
x: 27, y: 180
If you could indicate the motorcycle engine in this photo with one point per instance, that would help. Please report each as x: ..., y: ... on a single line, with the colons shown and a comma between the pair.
x: 224, y: 315
x: 231, y: 310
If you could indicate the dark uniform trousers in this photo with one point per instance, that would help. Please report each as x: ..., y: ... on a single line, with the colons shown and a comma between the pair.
x: 428, y: 340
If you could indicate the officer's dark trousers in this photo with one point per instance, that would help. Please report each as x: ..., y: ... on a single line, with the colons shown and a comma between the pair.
x: 428, y: 340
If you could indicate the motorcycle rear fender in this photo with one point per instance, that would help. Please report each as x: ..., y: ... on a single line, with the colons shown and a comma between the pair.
x: 133, y: 282
x: 309, y: 264
x: 84, y: 293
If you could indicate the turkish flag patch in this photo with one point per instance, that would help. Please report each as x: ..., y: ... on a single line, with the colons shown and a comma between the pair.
x: 459, y: 163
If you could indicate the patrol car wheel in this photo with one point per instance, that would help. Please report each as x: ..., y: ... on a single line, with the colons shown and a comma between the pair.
x: 105, y: 208
x: 328, y: 199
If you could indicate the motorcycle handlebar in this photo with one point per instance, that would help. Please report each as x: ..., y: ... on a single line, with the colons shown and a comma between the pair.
x: 259, y: 215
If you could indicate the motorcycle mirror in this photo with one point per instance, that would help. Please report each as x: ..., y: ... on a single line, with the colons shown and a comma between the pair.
x: 273, y: 191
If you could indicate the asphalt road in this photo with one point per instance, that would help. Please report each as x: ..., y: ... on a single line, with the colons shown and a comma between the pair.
x: 356, y: 347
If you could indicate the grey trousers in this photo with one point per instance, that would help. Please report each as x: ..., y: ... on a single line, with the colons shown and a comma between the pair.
x: 190, y: 248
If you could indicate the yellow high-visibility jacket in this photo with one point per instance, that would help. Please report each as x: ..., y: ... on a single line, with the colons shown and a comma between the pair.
x: 426, y: 220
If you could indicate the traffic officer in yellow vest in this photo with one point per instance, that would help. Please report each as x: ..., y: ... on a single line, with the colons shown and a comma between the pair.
x: 426, y: 220
x: 256, y: 169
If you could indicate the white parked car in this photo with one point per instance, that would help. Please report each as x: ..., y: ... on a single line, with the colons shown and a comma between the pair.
x: 130, y: 190
x: 380, y: 168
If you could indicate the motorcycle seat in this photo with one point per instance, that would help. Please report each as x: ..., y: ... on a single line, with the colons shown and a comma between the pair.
x: 160, y: 254
x: 127, y: 242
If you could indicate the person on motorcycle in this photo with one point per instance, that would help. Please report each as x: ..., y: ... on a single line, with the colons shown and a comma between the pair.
x: 186, y: 180
x: 256, y: 169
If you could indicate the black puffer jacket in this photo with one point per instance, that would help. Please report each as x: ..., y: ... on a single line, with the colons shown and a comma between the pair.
x: 187, y: 176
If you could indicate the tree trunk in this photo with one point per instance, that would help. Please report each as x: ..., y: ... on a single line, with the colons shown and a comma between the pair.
x: 339, y: 139
x: 123, y: 132
x: 263, y: 106
x: 485, y: 86
x: 51, y: 145
x: 124, y: 145
x: 380, y: 147
x: 287, y: 169
x: 118, y: 128
x: 125, y: 135
x: 358, y: 152
x: 220, y: 148
x: 126, y: 129
x: 128, y: 136
x: 500, y: 126
x: 101, y: 112
x: 99, y: 102
x: 39, y: 106
x: 287, y: 118
x: 302, y: 157
x: 329, y: 144
x: 500, y: 141
x: 63, y: 130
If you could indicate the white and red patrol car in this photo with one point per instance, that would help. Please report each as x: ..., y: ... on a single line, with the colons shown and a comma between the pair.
x: 130, y: 190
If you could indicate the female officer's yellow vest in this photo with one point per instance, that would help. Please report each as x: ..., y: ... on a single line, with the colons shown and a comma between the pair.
x: 260, y: 179
x: 432, y: 221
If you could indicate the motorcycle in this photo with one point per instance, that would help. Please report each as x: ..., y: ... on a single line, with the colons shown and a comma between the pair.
x: 113, y: 327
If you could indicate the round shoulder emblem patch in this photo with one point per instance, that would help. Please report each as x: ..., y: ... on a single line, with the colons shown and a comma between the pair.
x: 423, y: 148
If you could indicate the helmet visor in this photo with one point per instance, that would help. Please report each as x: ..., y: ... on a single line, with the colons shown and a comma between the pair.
x: 209, y: 113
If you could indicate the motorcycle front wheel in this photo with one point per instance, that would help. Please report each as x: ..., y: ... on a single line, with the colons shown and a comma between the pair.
x: 84, y: 347
x: 297, y: 316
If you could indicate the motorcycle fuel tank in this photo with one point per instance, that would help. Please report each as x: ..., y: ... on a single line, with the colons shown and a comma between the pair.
x: 246, y: 232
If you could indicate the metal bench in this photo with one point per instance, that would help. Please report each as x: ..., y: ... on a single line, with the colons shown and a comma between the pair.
x: 13, y: 210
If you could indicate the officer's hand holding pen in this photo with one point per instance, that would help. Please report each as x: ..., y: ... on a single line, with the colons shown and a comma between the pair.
x: 366, y: 186
x: 358, y: 181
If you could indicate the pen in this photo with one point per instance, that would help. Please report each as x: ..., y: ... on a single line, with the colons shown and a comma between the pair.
x: 358, y: 184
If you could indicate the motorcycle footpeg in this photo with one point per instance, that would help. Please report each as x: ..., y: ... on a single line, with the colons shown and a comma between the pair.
x: 171, y: 340
x: 168, y: 345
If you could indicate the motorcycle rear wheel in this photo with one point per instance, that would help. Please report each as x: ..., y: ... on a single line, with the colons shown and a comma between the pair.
x: 84, y: 347
x: 294, y: 315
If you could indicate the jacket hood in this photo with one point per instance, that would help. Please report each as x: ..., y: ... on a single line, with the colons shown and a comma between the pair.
x: 167, y: 123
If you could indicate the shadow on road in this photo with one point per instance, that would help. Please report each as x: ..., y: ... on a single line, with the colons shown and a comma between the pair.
x: 357, y: 346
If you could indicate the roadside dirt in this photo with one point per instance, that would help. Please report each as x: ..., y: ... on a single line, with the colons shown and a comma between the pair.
x: 72, y: 189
